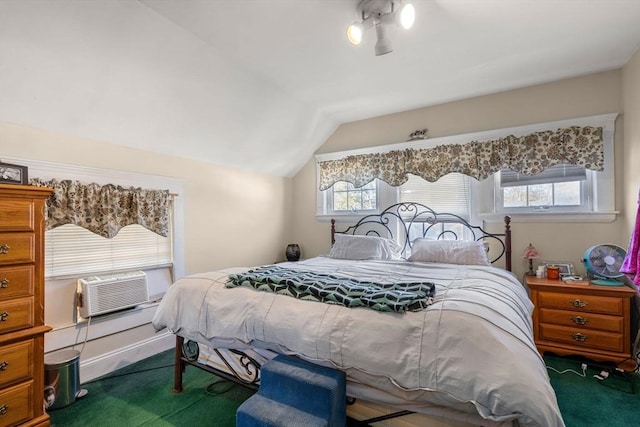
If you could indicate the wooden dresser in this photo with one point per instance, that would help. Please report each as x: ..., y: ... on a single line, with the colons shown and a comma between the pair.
x: 22, y: 325
x: 582, y: 319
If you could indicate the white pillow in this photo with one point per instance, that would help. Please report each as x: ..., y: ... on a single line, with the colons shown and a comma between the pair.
x: 449, y: 252
x: 348, y: 246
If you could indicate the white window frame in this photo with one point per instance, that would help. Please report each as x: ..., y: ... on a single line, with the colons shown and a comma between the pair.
x: 586, y: 191
x: 483, y: 193
x: 328, y: 194
x: 48, y: 170
x: 599, y: 187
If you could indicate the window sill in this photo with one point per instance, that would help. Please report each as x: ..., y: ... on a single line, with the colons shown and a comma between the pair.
x: 551, y: 217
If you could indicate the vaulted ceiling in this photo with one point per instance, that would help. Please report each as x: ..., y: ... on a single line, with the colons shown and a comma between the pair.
x: 261, y: 84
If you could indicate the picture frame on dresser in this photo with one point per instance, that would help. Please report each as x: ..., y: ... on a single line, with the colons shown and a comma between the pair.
x: 14, y: 174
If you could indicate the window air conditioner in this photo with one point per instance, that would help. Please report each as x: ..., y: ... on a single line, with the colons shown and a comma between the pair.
x: 108, y: 293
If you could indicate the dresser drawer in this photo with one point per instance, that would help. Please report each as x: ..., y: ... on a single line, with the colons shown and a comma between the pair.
x: 17, y: 247
x: 16, y: 281
x: 16, y: 314
x: 600, y: 322
x: 582, y: 338
x: 16, y: 404
x: 588, y: 303
x: 16, y: 362
x: 17, y: 215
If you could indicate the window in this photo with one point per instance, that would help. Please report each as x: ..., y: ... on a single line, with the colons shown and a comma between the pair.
x: 71, y: 250
x: 588, y: 195
x: 558, y: 188
x: 47, y: 170
x: 347, y: 198
x: 449, y: 194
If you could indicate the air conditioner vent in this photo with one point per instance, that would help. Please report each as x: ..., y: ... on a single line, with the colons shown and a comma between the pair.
x: 105, y: 294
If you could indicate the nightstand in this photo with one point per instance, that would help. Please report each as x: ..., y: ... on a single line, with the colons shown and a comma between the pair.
x: 582, y: 319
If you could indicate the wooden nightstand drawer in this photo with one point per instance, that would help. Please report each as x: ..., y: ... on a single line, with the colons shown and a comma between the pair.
x: 16, y: 314
x: 16, y: 404
x: 17, y: 215
x: 601, y: 322
x: 16, y: 362
x: 582, y: 319
x: 582, y: 338
x: 17, y: 248
x: 16, y: 281
x: 587, y: 303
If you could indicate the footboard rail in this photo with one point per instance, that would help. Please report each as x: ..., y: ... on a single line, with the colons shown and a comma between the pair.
x: 186, y: 353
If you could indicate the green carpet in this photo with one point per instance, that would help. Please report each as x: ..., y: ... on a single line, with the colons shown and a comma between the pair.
x: 140, y: 395
x: 589, y: 402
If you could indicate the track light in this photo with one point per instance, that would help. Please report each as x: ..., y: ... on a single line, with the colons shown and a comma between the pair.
x: 379, y: 14
x: 383, y: 44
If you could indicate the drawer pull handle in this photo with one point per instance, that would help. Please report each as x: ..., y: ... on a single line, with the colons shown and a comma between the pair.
x: 577, y: 303
x: 4, y: 283
x: 3, y: 365
x: 579, y: 337
x: 3, y: 316
x: 4, y: 249
x: 3, y: 409
x: 578, y: 320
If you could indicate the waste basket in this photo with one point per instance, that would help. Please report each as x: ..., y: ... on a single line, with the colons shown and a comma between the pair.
x: 61, y: 378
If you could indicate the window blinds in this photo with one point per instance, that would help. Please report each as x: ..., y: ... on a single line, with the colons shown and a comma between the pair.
x: 557, y: 173
x: 71, y: 250
x: 449, y: 194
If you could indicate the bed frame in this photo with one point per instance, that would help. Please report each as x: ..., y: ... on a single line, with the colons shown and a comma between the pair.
x: 403, y: 222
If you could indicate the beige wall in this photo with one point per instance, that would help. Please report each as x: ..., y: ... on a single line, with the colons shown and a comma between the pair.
x: 631, y: 180
x: 571, y: 98
x: 221, y: 205
x: 231, y: 217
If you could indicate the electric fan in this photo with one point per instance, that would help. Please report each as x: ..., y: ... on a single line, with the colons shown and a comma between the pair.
x: 603, y: 263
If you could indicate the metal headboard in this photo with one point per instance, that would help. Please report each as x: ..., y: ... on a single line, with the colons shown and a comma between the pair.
x: 404, y: 222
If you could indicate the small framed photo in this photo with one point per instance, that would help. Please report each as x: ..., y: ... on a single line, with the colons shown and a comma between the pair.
x: 13, y: 174
x: 566, y: 268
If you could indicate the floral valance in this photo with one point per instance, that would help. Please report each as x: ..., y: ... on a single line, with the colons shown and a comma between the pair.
x: 529, y: 154
x: 105, y: 209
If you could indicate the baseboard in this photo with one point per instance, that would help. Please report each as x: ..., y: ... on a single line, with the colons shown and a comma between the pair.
x: 109, y: 362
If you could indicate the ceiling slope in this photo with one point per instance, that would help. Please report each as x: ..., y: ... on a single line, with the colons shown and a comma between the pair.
x: 261, y: 84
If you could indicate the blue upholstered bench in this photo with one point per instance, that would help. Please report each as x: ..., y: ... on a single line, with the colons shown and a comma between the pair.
x: 294, y: 392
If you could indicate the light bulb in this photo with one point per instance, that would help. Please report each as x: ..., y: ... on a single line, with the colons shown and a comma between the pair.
x: 407, y: 16
x: 354, y: 34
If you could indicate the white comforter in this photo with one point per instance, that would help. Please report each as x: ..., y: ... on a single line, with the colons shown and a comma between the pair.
x: 473, y: 346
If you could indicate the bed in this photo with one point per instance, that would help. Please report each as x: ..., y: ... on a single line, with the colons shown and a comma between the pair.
x: 406, y: 302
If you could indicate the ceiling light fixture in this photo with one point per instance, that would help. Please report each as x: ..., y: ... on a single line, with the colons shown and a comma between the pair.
x: 380, y: 14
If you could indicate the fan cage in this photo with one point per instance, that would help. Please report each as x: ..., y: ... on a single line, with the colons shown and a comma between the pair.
x: 604, y: 261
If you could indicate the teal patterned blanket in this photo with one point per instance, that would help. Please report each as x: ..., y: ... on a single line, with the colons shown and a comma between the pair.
x: 313, y: 286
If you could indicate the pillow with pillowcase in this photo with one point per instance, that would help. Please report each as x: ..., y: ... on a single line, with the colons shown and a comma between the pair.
x: 357, y: 247
x: 449, y: 252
